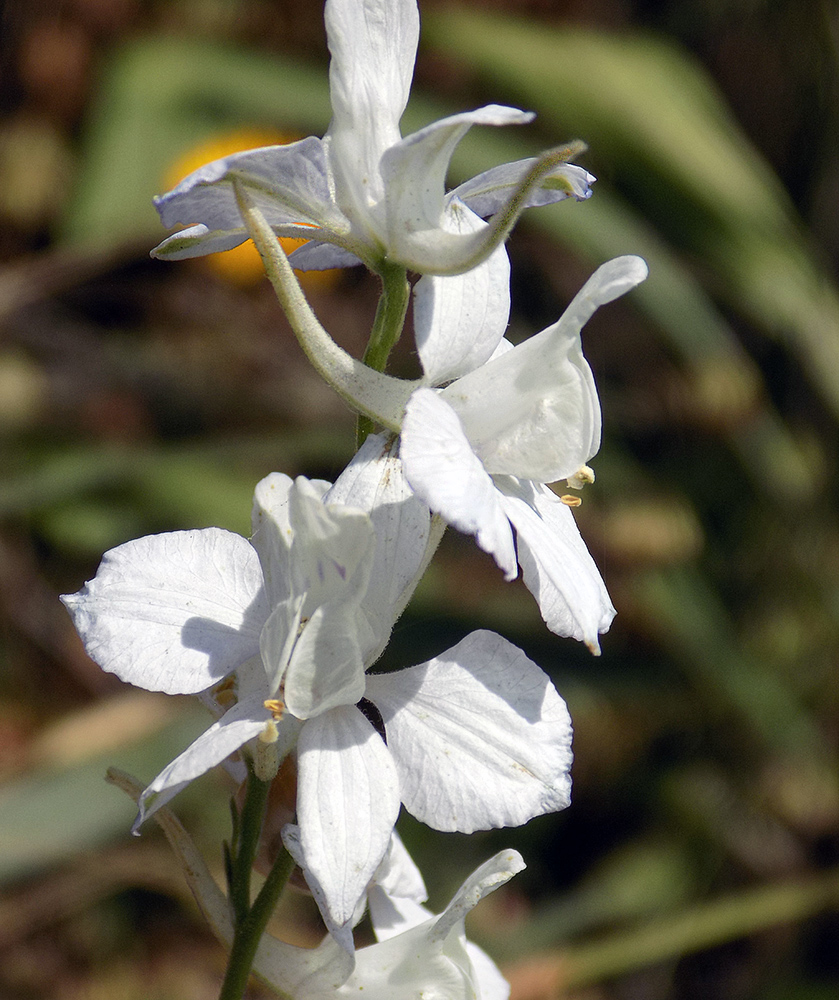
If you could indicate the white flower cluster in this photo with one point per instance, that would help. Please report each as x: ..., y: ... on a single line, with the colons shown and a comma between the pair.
x: 277, y: 633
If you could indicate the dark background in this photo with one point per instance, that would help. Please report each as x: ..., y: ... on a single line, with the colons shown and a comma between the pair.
x: 700, y: 857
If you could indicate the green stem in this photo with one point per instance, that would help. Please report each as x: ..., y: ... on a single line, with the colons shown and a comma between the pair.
x: 370, y: 392
x: 246, y: 845
x: 249, y: 931
x: 387, y: 328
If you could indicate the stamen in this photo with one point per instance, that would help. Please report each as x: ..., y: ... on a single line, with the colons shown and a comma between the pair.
x: 276, y: 708
x: 571, y: 501
x: 584, y: 476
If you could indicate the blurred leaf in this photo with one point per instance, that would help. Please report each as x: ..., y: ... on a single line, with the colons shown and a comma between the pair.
x: 661, y: 130
x: 158, y: 97
x: 64, y: 805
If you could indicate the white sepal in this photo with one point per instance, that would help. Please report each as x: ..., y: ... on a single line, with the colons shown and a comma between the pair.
x: 443, y: 469
x: 347, y: 804
x: 556, y: 565
x: 458, y: 321
x: 175, y: 612
x: 479, y: 735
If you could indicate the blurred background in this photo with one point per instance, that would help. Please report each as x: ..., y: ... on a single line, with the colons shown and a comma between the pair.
x: 700, y: 857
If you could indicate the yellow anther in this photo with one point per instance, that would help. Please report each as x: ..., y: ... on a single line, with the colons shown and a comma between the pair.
x: 582, y: 477
x: 275, y: 707
x: 571, y: 501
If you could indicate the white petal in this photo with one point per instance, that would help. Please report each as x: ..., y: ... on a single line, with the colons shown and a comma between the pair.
x: 173, y: 612
x: 318, y: 256
x: 289, y: 183
x: 375, y: 482
x: 277, y: 641
x: 333, y: 548
x: 373, y: 47
x: 198, y: 241
x: 556, y: 565
x: 394, y: 916
x: 430, y: 960
x: 490, y: 876
x: 442, y: 468
x: 534, y: 413
x: 459, y: 321
x: 492, y: 985
x: 272, y: 534
x: 397, y: 893
x: 479, y: 735
x: 414, y: 173
x: 240, y: 724
x: 327, y: 666
x: 347, y: 804
x: 488, y: 193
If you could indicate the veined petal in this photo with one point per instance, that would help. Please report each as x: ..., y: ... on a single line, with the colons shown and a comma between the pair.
x: 459, y: 321
x: 488, y: 193
x: 347, y: 804
x: 238, y: 725
x: 373, y: 47
x: 556, y: 565
x: 414, y: 173
x: 479, y: 735
x: 375, y: 482
x: 175, y: 612
x: 289, y: 183
x: 442, y: 468
x: 534, y: 412
x: 333, y: 547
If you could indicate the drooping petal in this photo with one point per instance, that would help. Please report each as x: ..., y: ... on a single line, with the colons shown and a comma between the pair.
x: 534, y: 413
x: 459, y: 321
x: 479, y: 735
x: 373, y: 47
x: 442, y: 468
x: 375, y: 482
x: 556, y: 565
x: 488, y: 193
x: 175, y: 612
x: 238, y: 725
x: 414, y: 173
x: 347, y: 804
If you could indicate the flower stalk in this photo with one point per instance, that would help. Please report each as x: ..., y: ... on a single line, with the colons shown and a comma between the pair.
x: 372, y: 393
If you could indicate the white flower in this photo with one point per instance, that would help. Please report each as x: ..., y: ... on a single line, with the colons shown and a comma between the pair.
x: 418, y: 954
x: 363, y: 193
x: 475, y: 738
x: 480, y: 450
